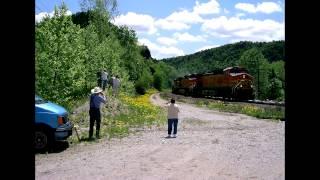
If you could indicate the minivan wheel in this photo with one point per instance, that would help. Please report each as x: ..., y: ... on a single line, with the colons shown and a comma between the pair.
x: 41, y: 140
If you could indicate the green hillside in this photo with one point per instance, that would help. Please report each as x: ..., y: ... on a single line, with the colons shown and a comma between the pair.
x: 224, y: 56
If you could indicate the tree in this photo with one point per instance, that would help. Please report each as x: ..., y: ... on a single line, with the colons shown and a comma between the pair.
x: 158, y: 81
x: 81, y: 18
x: 59, y: 57
x: 100, y: 12
x: 109, y: 6
x: 144, y: 82
x: 257, y: 66
x: 131, y: 58
x: 275, y: 90
x: 279, y: 69
x: 145, y: 52
x: 277, y: 80
x: 68, y: 57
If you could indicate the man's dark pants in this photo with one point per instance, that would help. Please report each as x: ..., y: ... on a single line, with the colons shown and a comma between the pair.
x: 104, y: 84
x: 173, y: 122
x: 99, y: 82
x: 94, y: 116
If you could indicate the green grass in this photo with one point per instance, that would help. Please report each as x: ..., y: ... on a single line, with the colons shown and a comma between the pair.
x: 274, y: 113
x: 71, y: 105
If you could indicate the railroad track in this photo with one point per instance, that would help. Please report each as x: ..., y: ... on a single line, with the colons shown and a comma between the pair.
x: 258, y: 102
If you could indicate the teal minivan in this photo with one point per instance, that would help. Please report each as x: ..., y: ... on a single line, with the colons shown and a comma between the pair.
x: 51, y: 123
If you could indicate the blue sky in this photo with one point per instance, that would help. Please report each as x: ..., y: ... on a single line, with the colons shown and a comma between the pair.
x: 179, y: 27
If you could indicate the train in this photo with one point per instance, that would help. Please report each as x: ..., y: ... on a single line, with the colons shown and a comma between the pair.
x: 232, y: 82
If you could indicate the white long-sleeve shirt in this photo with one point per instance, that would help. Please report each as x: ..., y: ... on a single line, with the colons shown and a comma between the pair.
x: 115, y: 83
x: 104, y: 75
x: 173, y: 110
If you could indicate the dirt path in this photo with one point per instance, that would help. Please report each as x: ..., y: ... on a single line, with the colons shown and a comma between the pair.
x: 210, y: 145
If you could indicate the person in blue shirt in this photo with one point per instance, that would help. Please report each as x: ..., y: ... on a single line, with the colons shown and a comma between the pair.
x: 96, y: 99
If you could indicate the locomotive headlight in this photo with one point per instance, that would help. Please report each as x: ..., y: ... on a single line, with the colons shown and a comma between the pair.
x: 243, y: 76
x: 241, y: 85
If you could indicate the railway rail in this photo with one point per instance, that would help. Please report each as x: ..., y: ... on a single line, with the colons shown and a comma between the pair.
x: 254, y: 101
x: 258, y: 102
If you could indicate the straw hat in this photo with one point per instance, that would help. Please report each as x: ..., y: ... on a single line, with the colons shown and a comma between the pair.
x: 96, y: 90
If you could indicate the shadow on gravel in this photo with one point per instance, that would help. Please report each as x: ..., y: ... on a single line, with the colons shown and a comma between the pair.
x: 56, y: 147
x: 167, y: 137
x: 88, y: 139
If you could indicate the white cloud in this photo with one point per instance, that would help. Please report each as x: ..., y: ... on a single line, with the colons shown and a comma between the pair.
x: 226, y: 11
x: 269, y: 7
x: 148, y: 24
x: 160, y: 52
x: 188, y: 37
x: 166, y: 41
x: 140, y: 22
x: 240, y: 15
x: 223, y: 23
x: 265, y: 7
x: 220, y: 34
x: 184, y: 17
x: 246, y: 7
x: 171, y: 25
x: 181, y: 19
x: 245, y: 29
x: 40, y: 16
x: 207, y: 47
x: 211, y: 7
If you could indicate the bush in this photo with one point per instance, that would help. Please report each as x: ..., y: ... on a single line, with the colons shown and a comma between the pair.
x: 144, y: 82
x: 140, y: 88
x: 158, y: 81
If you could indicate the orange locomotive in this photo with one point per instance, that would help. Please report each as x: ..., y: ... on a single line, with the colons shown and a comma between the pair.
x: 232, y: 82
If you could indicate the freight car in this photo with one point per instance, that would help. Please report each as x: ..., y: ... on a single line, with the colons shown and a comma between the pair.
x: 232, y: 82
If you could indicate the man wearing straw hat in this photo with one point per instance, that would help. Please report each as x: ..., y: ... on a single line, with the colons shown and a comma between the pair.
x: 97, y: 97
